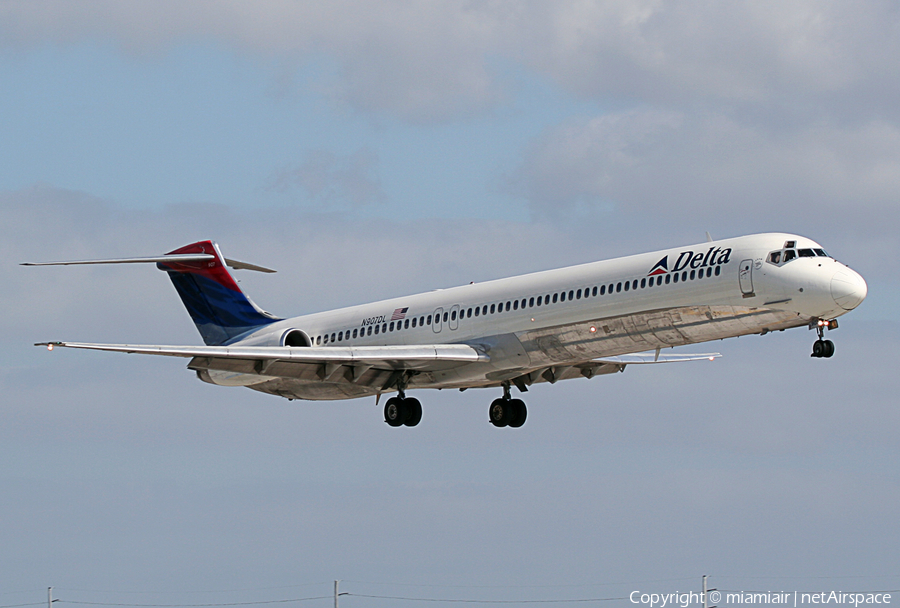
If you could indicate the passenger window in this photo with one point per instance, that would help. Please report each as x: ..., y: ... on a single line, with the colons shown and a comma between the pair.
x: 318, y: 340
x: 634, y: 284
x: 477, y: 311
x: 406, y: 324
x: 675, y: 278
x: 684, y: 276
x: 484, y: 309
x: 618, y: 287
x: 668, y: 279
x: 578, y: 295
x: 453, y: 316
x: 414, y: 321
x: 392, y: 326
x: 376, y: 330
x: 571, y: 293
x: 469, y: 313
x: 555, y: 298
x: 610, y: 288
x: 531, y: 303
x: 708, y: 272
x: 539, y: 300
x: 603, y: 290
x: 643, y: 283
x: 445, y: 317
x: 562, y: 297
x: 718, y: 270
x: 492, y: 309
x: 340, y: 336
x: 627, y: 285
x: 429, y: 319
x: 355, y: 333
x: 594, y: 292
x: 692, y: 275
x: 516, y: 305
x: 507, y: 306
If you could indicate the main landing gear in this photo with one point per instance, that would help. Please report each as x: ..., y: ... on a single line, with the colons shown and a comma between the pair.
x: 402, y: 410
x: 506, y: 411
x: 821, y: 347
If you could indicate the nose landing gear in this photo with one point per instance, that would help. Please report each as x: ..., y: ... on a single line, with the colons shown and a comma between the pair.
x: 821, y: 347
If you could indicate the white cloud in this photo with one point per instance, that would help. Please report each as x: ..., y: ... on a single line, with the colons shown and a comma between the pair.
x: 431, y: 61
x: 671, y: 163
x: 332, y: 180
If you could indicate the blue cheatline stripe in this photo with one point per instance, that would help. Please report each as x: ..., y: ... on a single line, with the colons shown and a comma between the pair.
x: 220, y: 314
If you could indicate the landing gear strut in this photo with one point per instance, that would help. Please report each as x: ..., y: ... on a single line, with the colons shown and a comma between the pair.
x: 821, y: 347
x: 506, y: 411
x: 402, y: 410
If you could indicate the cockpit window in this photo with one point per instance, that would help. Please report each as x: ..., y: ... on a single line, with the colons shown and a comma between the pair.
x: 806, y: 253
x: 775, y: 257
x: 789, y: 255
x: 821, y: 253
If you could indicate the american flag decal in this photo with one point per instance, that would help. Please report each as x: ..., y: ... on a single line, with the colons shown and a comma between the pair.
x: 400, y: 313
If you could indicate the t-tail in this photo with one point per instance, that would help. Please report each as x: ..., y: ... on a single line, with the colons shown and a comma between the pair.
x: 217, y: 305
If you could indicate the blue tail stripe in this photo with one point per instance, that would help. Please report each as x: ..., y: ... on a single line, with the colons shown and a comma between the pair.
x: 220, y: 314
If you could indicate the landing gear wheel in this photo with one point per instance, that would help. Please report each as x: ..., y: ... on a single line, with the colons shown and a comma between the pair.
x: 414, y: 409
x: 520, y: 413
x: 501, y: 412
x: 819, y: 349
x: 829, y: 349
x: 396, y: 412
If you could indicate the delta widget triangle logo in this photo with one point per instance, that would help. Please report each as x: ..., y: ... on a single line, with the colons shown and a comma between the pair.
x: 661, y: 267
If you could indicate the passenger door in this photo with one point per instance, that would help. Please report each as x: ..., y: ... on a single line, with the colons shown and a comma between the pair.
x: 745, y: 274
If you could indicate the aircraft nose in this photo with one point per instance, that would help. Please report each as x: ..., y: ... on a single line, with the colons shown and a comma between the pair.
x: 848, y: 289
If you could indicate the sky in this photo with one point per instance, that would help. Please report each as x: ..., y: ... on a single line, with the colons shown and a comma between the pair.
x: 373, y: 149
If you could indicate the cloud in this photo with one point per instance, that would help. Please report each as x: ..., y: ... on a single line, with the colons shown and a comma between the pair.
x: 658, y: 161
x: 437, y: 61
x: 331, y: 180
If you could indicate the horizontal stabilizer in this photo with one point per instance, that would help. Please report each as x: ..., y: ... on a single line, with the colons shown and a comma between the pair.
x: 162, y: 259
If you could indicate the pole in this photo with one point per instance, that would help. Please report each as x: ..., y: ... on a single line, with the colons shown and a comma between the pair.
x: 49, y: 597
x: 705, y: 602
x: 336, y: 593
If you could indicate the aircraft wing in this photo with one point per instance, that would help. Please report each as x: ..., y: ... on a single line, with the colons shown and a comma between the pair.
x: 412, y: 357
x: 651, y: 357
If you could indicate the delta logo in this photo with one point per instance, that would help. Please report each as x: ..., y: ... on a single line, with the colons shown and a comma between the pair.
x: 688, y: 259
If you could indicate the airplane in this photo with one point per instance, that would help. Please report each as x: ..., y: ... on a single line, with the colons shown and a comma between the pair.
x: 576, y: 322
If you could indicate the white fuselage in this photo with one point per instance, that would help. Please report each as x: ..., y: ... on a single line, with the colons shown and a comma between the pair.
x: 561, y: 320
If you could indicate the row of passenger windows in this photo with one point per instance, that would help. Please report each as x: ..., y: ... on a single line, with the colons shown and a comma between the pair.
x: 478, y: 311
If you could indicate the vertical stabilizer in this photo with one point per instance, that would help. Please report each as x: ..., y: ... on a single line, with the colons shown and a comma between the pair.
x: 217, y: 305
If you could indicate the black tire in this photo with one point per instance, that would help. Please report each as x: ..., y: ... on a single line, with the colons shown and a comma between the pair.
x: 829, y: 349
x: 395, y: 411
x: 818, y: 348
x: 414, y: 409
x: 500, y: 412
x: 521, y: 413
